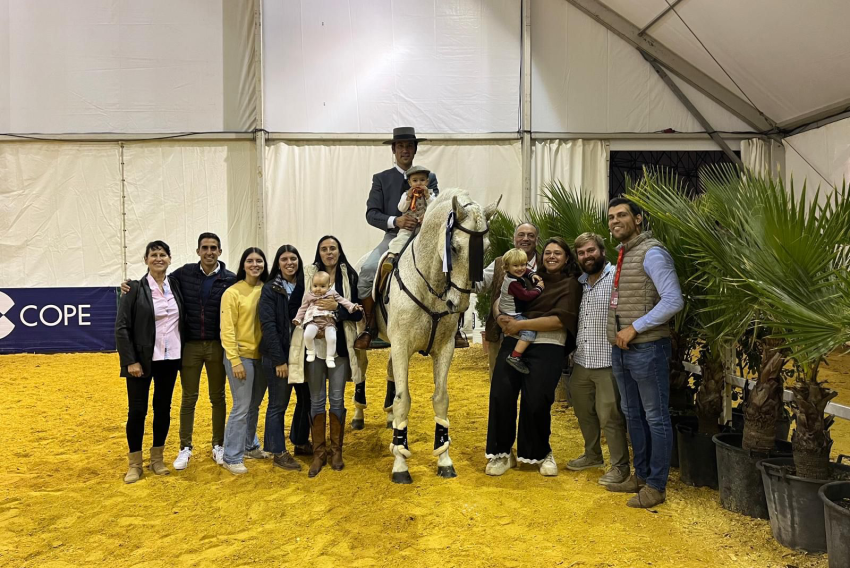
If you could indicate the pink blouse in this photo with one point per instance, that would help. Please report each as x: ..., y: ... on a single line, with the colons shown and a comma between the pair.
x: 167, y: 317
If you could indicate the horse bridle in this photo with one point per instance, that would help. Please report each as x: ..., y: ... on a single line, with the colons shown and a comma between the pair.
x: 437, y: 316
x: 451, y: 226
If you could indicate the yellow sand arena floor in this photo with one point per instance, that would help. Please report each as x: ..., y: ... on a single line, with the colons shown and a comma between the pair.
x: 63, y: 504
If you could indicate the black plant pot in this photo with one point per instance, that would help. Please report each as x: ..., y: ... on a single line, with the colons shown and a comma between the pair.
x: 697, y: 457
x: 837, y: 520
x: 677, y: 417
x: 739, y: 481
x: 796, y: 510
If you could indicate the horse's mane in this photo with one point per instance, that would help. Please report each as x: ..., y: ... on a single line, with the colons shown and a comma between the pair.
x: 447, y: 194
x: 443, y: 203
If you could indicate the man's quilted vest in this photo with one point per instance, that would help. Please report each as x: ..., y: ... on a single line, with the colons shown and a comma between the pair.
x: 637, y: 293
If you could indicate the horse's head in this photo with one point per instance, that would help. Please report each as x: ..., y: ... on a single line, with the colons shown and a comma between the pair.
x: 456, y: 217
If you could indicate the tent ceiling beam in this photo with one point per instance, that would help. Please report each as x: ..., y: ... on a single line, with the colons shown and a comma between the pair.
x: 638, y: 136
x: 675, y: 64
x: 693, y: 110
x: 658, y: 17
x: 817, y: 118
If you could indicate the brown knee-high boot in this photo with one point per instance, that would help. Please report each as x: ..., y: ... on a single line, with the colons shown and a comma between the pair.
x: 337, y: 430
x: 320, y: 456
x: 364, y: 340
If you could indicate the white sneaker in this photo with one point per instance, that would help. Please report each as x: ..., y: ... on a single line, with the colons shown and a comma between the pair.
x: 235, y: 468
x: 218, y: 455
x: 311, y: 356
x: 330, y: 362
x: 549, y: 467
x: 497, y: 466
x: 182, y: 461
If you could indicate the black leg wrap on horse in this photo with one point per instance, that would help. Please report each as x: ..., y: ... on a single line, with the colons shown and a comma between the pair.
x: 360, y: 393
x: 441, y: 438
x: 388, y: 400
x: 400, y: 438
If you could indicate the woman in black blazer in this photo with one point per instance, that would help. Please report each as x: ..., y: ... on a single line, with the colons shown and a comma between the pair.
x: 149, y: 341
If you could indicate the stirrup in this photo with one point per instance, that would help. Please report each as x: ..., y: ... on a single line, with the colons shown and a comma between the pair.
x: 461, y: 341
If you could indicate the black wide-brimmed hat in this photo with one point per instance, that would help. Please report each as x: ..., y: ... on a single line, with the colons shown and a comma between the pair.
x: 403, y: 133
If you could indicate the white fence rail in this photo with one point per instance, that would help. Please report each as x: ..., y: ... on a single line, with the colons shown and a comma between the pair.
x: 837, y: 410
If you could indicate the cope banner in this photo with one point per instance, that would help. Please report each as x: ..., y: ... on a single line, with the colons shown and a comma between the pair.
x: 50, y: 320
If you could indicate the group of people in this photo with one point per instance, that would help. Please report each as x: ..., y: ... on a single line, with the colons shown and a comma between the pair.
x: 614, y: 320
x: 240, y: 326
x: 252, y: 328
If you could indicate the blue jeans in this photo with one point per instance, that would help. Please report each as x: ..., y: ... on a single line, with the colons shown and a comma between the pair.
x: 526, y: 334
x: 240, y: 433
x: 642, y: 374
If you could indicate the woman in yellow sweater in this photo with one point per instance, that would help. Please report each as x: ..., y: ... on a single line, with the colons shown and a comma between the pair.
x: 240, y: 337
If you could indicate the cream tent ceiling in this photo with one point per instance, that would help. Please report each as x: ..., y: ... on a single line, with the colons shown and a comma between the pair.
x: 791, y: 58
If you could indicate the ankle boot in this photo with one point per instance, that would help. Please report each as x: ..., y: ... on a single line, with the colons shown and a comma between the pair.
x: 337, y: 430
x: 364, y: 340
x: 157, y: 465
x: 134, y: 472
x: 320, y: 456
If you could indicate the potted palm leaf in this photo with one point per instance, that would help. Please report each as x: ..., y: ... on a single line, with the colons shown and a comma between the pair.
x: 782, y: 258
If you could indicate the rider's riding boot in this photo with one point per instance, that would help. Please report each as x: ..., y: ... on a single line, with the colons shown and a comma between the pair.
x: 387, y: 266
x: 460, y: 340
x: 364, y: 340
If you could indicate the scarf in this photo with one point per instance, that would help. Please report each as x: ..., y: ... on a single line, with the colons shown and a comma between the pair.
x: 561, y: 298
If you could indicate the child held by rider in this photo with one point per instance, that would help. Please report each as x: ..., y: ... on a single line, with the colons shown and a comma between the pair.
x: 519, y: 287
x: 320, y: 323
x: 413, y: 202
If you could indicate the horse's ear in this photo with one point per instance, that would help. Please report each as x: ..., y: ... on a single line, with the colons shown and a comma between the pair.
x: 460, y: 212
x: 491, y: 209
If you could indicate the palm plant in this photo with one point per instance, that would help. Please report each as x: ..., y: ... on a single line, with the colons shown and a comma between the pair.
x: 801, y: 277
x: 767, y: 255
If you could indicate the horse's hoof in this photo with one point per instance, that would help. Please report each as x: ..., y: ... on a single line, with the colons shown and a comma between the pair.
x: 357, y: 424
x: 402, y: 477
x: 389, y: 424
x: 446, y: 471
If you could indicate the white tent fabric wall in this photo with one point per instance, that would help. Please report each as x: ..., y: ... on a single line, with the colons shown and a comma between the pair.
x: 60, y: 215
x: 580, y: 164
x: 318, y: 188
x: 177, y: 190
x: 587, y: 79
x: 445, y: 66
x: 827, y: 148
x: 117, y: 66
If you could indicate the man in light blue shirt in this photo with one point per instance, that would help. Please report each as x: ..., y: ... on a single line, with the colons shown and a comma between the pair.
x: 644, y: 298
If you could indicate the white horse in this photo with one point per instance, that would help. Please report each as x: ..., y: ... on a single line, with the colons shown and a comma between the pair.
x: 424, y: 308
